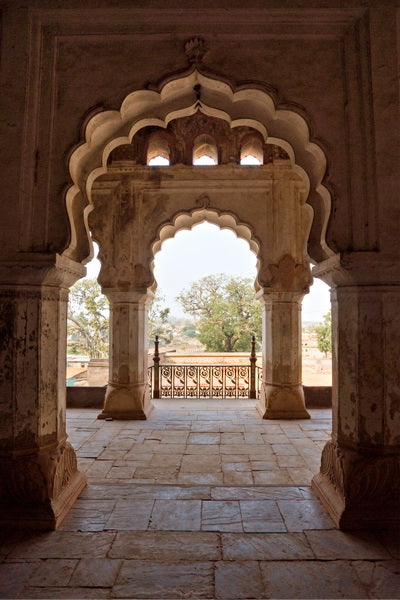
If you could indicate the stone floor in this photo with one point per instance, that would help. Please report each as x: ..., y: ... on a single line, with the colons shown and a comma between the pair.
x: 203, y: 500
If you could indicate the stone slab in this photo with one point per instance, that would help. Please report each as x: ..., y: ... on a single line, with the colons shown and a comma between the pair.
x: 65, y: 544
x: 53, y: 572
x: 304, y: 514
x: 13, y: 577
x: 166, y: 545
x: 69, y: 593
x: 265, y: 546
x: 329, y: 545
x: 141, y: 579
x: 257, y: 493
x: 380, y: 578
x: 95, y: 572
x: 176, y: 515
x: 221, y: 515
x: 261, y: 516
x: 311, y: 579
x: 130, y: 514
x: 239, y: 580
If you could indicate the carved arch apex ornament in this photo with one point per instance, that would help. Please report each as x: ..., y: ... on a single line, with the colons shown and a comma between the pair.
x: 195, y: 50
x: 289, y: 276
x: 203, y: 201
x: 244, y: 105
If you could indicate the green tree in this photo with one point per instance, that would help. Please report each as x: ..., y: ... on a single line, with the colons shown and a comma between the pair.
x: 324, y: 334
x: 227, y: 312
x: 88, y: 319
x: 159, y: 321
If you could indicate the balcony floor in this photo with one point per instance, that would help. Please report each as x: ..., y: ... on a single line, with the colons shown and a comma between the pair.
x: 203, y: 500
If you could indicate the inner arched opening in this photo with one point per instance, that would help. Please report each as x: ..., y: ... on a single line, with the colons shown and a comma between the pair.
x: 215, y: 315
x: 205, y: 254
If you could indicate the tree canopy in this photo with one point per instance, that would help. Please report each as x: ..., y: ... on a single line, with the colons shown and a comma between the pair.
x: 88, y: 319
x: 227, y: 312
x: 324, y: 334
x: 159, y: 321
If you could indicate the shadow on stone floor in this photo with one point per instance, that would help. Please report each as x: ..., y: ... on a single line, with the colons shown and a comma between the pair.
x: 199, y: 502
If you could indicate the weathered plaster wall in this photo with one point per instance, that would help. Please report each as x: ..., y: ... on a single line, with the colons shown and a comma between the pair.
x: 60, y: 61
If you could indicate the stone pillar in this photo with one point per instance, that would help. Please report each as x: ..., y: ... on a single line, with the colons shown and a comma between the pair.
x: 359, y: 481
x: 39, y: 480
x: 282, y: 395
x: 128, y: 394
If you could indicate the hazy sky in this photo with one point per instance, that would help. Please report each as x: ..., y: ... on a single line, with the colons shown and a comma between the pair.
x: 207, y: 250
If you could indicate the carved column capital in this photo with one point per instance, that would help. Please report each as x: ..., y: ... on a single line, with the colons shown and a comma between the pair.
x: 287, y: 276
x: 137, y: 295
x: 34, y: 269
x: 359, y: 269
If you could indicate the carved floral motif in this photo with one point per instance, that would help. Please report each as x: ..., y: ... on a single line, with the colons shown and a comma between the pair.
x: 289, y: 276
x: 331, y: 465
x: 65, y: 469
x: 362, y: 480
x: 195, y: 50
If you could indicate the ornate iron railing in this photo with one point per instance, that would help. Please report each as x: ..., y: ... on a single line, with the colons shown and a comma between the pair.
x: 204, y: 381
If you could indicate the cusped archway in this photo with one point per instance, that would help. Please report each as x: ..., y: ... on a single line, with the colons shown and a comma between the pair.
x: 183, y: 96
x: 188, y: 220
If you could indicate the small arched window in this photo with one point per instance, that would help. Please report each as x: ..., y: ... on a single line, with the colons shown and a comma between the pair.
x: 158, y: 152
x: 251, y: 152
x: 205, y: 151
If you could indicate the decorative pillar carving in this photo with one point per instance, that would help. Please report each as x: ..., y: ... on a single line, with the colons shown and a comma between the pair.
x: 359, y: 481
x: 39, y: 480
x: 282, y: 395
x: 128, y: 394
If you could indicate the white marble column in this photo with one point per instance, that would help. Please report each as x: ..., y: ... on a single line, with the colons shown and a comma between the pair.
x: 128, y: 394
x: 359, y: 481
x: 282, y: 395
x: 39, y: 480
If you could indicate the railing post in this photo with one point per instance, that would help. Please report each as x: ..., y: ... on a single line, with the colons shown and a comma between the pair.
x: 156, y: 360
x: 253, y: 360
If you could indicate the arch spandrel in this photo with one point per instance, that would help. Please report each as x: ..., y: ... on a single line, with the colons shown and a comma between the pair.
x: 136, y: 208
x: 175, y: 99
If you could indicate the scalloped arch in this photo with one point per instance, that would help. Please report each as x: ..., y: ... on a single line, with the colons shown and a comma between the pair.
x: 248, y: 105
x: 223, y: 220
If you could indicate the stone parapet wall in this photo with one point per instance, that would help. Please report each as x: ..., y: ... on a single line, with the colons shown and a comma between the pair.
x: 93, y: 397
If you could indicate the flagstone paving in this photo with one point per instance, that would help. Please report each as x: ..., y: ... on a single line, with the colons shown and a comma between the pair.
x: 202, y: 500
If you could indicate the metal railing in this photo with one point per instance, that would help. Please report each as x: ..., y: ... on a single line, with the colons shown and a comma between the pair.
x: 204, y: 381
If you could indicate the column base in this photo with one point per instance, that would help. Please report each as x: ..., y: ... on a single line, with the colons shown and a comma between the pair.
x: 127, y: 403
x: 37, y: 492
x: 359, y: 491
x: 46, y: 517
x: 279, y: 402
